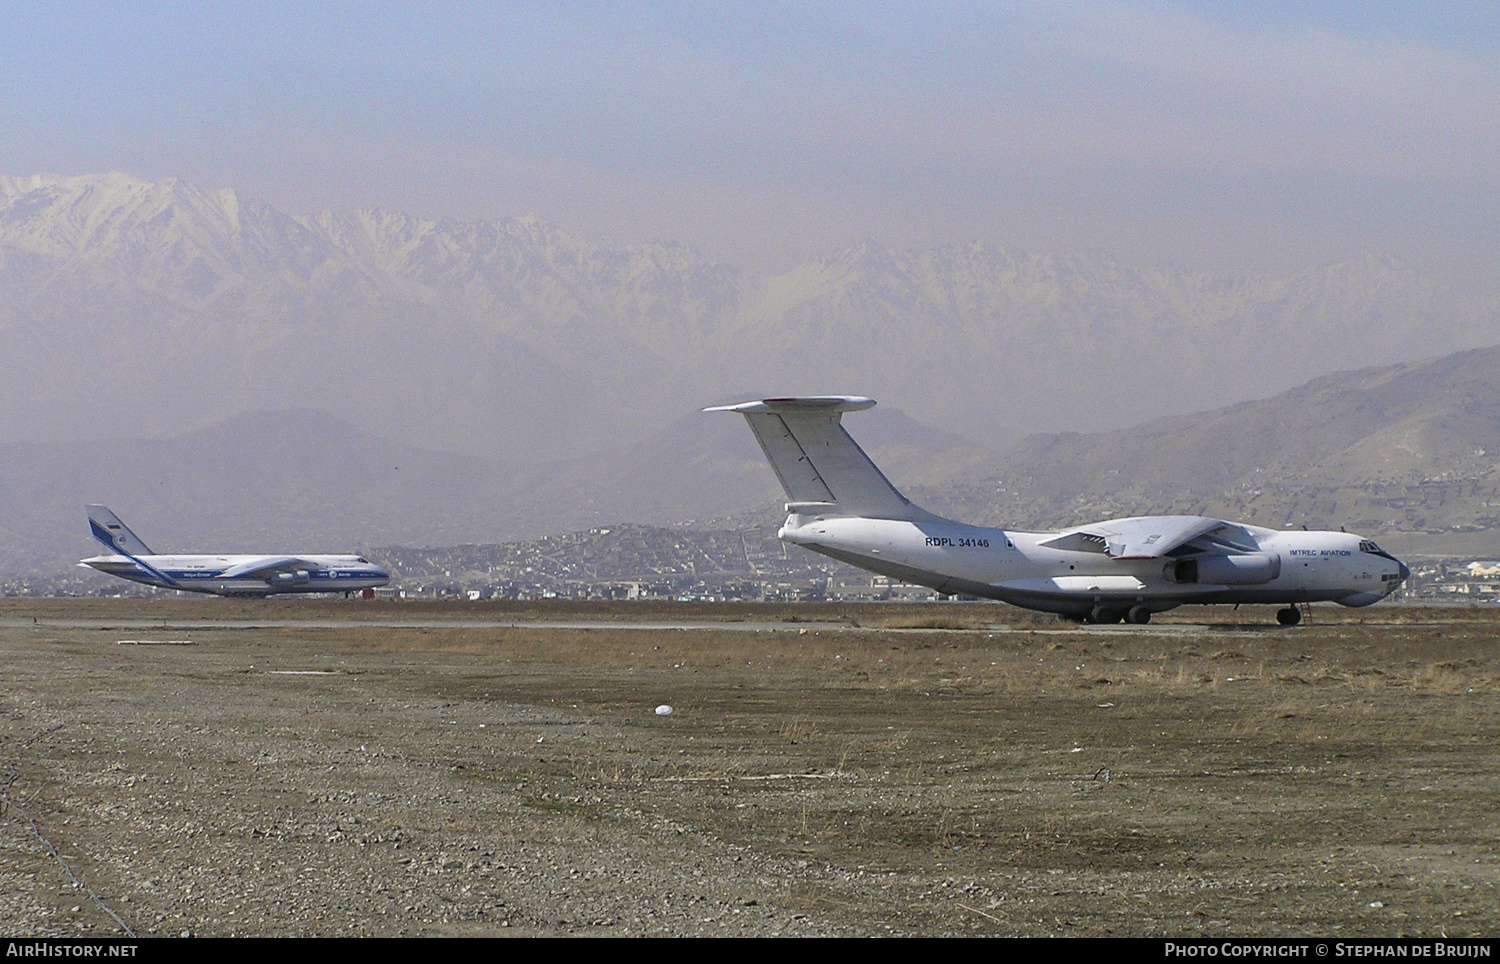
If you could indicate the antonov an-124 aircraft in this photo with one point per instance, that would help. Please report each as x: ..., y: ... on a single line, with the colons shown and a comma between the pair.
x: 225, y: 575
x: 841, y: 505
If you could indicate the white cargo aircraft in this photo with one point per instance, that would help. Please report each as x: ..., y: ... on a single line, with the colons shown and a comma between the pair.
x: 225, y: 575
x: 842, y: 506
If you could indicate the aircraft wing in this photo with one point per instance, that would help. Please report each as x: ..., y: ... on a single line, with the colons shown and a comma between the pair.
x: 1153, y: 536
x: 263, y: 566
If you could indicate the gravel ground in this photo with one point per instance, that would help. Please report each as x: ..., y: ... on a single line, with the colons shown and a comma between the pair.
x: 1236, y: 779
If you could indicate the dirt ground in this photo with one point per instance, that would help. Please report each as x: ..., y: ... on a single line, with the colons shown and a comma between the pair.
x: 312, y: 768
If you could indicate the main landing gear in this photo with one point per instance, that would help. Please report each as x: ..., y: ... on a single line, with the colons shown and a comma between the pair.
x: 1104, y: 616
x: 1290, y: 616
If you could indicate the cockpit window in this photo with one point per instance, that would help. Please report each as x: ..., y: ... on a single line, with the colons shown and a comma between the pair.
x: 1365, y: 545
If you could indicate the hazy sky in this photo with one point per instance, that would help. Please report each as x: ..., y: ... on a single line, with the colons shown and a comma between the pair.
x: 1228, y: 135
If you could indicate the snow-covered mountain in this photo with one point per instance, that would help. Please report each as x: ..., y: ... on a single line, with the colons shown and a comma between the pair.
x: 131, y: 308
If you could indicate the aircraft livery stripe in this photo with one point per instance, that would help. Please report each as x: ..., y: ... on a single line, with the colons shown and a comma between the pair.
x: 102, y: 534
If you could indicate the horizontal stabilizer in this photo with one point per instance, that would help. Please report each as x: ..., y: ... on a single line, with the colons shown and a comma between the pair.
x: 820, y: 404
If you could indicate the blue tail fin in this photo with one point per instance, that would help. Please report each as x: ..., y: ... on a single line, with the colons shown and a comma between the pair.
x: 108, y: 529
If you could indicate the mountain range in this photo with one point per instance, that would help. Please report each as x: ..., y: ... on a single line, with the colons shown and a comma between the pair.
x: 137, y: 309
x: 1408, y: 454
x: 230, y: 376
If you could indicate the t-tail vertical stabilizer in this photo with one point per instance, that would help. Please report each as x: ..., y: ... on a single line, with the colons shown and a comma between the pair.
x: 817, y: 461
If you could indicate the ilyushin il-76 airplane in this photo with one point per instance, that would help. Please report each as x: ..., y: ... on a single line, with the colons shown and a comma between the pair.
x: 842, y: 506
x: 225, y: 575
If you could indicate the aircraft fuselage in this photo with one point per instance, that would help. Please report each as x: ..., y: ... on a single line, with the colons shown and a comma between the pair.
x: 203, y: 574
x: 1283, y: 566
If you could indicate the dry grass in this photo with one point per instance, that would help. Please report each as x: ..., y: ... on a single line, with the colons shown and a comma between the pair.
x: 924, y: 753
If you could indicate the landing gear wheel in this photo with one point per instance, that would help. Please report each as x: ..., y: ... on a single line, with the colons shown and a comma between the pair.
x: 1290, y: 616
x: 1102, y: 616
x: 1139, y: 615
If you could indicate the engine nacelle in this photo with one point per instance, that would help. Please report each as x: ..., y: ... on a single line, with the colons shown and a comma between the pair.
x: 1246, y: 569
